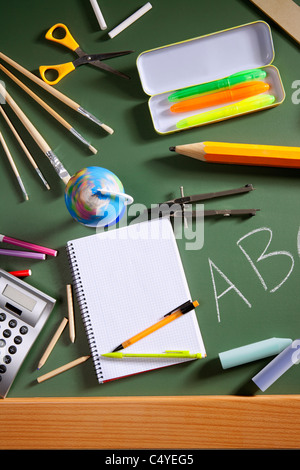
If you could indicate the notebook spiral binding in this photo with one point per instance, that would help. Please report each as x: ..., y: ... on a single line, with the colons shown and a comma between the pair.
x: 80, y: 297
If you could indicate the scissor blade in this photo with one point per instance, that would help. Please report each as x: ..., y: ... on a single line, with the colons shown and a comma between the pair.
x: 94, y: 59
x: 110, y: 55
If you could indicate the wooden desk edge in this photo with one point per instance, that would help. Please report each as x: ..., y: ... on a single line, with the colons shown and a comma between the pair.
x: 175, y: 422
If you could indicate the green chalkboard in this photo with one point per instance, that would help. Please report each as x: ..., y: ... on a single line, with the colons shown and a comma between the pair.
x: 244, y: 272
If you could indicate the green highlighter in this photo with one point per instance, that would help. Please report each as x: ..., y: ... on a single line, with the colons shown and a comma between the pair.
x: 243, y: 106
x: 218, y: 85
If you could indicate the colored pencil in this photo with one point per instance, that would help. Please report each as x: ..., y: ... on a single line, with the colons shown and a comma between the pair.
x: 241, y: 154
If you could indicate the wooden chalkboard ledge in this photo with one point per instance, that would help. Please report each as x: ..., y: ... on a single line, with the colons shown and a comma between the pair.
x: 184, y: 422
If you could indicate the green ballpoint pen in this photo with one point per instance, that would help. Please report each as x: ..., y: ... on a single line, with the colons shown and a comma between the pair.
x: 218, y: 85
x: 247, y: 105
x: 177, y: 354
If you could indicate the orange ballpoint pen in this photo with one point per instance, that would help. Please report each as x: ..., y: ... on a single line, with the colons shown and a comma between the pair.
x: 173, y: 315
x: 236, y: 93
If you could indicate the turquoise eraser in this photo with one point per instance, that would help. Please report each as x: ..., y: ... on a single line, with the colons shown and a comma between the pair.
x: 253, y: 352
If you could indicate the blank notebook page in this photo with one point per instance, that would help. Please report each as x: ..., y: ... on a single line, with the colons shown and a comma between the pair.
x: 126, y: 280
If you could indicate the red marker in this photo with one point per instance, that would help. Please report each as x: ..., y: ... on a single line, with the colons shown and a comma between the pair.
x: 24, y: 273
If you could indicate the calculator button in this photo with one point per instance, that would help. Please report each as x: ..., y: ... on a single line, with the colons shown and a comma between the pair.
x: 18, y: 340
x: 12, y: 349
x: 23, y: 330
x: 7, y: 359
x: 6, y: 333
x: 2, y: 316
x: 2, y: 343
x: 2, y: 368
x: 13, y: 323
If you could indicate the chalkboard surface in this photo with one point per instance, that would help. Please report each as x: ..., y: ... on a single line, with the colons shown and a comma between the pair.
x: 244, y: 271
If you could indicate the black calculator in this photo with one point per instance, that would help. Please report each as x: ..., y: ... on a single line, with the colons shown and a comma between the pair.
x: 24, y: 311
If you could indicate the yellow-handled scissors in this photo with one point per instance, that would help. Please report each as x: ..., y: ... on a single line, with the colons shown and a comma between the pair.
x: 65, y: 38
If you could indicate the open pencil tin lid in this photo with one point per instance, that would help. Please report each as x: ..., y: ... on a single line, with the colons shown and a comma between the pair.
x: 203, y: 59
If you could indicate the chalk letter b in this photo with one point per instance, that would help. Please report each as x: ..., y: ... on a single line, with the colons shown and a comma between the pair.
x: 265, y: 256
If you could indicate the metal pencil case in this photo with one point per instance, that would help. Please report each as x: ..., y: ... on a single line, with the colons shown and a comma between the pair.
x: 201, y: 60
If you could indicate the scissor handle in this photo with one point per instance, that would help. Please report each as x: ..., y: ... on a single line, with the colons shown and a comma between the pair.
x: 67, y: 40
x: 62, y: 70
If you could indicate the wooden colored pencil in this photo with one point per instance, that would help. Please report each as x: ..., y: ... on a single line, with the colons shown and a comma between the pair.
x: 48, y: 108
x: 14, y: 167
x: 41, y: 142
x: 242, y: 154
x: 25, y: 149
x: 60, y: 96
x: 53, y: 342
x: 71, y: 313
x: 63, y: 368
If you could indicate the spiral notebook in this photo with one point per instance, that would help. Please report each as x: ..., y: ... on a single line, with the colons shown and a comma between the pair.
x: 125, y: 280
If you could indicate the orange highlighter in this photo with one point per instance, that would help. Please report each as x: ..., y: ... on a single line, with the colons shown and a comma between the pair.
x: 236, y: 93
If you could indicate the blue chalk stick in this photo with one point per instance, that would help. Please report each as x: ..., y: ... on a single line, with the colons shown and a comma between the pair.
x: 278, y: 366
x: 253, y: 352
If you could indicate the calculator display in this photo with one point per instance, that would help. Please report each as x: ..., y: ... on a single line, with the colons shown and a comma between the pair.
x: 19, y: 297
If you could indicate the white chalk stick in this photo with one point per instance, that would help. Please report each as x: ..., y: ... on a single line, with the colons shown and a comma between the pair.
x: 131, y: 19
x: 98, y: 14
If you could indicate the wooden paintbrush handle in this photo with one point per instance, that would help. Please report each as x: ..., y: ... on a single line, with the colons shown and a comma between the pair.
x: 25, y: 121
x: 72, y: 104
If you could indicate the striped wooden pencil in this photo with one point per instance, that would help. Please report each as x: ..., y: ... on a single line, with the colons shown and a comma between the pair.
x: 241, y: 154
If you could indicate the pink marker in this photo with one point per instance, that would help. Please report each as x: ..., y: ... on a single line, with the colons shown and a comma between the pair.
x: 30, y: 246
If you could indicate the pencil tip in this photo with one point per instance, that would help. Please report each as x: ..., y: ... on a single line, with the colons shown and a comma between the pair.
x: 172, y: 149
x: 118, y: 348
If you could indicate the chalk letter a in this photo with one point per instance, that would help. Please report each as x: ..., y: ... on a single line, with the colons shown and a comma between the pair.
x: 231, y: 286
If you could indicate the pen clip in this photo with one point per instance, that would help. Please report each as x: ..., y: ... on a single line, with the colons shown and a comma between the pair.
x: 177, y: 352
x: 181, y: 307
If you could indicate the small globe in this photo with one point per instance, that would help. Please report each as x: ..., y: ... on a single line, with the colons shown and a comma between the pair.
x: 95, y: 197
